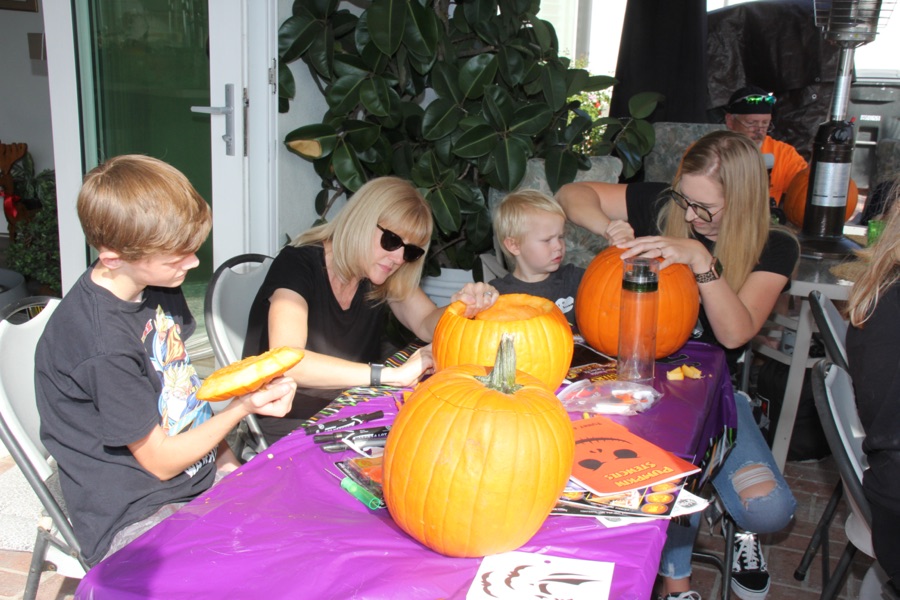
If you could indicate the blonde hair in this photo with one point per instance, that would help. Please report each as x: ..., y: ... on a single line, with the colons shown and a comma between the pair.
x: 734, y: 162
x: 387, y: 201
x: 884, y: 265
x: 138, y: 206
x: 510, y: 215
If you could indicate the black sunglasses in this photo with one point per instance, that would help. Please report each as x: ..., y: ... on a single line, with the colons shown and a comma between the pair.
x: 390, y: 241
x: 682, y: 202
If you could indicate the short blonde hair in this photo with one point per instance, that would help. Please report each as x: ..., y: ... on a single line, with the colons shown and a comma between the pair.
x: 392, y: 203
x: 509, y: 216
x: 139, y: 206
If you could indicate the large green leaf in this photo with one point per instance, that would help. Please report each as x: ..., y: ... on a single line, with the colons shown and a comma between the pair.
x: 321, y: 53
x: 553, y: 84
x: 375, y: 95
x: 479, y: 12
x: 440, y: 119
x: 349, y: 64
x: 642, y: 105
x: 445, y: 81
x: 542, y: 33
x: 321, y: 9
x: 476, y: 142
x: 560, y: 167
x: 387, y: 19
x: 445, y: 208
x: 347, y: 167
x: 312, y: 141
x: 531, y: 119
x: 422, y: 32
x: 511, y: 155
x: 479, y: 230
x: 511, y: 65
x: 343, y: 96
x: 286, y: 86
x: 645, y: 137
x: 499, y: 107
x: 361, y: 134
x: 576, y: 79
x: 378, y: 157
x: 296, y: 35
x: 476, y: 73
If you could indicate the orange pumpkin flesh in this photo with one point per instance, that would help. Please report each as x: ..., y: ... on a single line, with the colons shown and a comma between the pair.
x: 599, y: 296
x: 794, y: 203
x: 471, y: 471
x: 543, y: 337
x: 248, y: 375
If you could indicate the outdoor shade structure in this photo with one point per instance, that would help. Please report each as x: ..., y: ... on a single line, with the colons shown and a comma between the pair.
x: 687, y: 54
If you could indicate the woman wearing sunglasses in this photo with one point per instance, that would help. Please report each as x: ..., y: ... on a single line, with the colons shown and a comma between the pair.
x: 715, y: 219
x: 329, y: 292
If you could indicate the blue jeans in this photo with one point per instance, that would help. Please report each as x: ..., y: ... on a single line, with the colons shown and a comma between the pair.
x: 760, y: 515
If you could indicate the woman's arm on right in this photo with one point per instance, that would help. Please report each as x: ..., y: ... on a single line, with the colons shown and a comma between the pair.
x: 598, y: 207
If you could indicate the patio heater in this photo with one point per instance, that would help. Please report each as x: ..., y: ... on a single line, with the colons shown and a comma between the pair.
x: 848, y: 24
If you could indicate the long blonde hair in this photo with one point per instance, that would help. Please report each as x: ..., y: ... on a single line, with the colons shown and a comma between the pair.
x: 734, y: 162
x: 884, y: 265
x: 387, y: 201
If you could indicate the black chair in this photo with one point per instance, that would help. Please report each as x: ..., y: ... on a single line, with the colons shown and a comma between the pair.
x: 21, y: 325
x: 833, y: 332
x: 836, y: 405
x: 226, y: 310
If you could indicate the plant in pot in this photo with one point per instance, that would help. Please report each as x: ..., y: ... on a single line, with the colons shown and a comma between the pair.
x: 453, y: 96
x: 34, y: 252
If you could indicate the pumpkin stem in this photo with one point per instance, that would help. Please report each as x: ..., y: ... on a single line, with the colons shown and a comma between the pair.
x: 503, y: 376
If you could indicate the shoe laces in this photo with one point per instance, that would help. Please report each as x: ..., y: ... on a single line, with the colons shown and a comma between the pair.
x: 691, y: 595
x: 748, y: 554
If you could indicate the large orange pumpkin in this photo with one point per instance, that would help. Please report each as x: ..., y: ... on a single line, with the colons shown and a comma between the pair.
x: 600, y: 293
x: 794, y: 203
x: 475, y: 462
x: 544, y: 343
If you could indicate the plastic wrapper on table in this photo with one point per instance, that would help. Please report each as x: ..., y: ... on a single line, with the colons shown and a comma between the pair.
x: 608, y: 397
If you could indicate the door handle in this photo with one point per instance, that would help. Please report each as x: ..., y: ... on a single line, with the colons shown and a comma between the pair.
x: 228, y: 111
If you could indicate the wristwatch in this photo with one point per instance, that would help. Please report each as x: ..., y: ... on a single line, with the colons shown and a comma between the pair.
x: 715, y: 271
x: 375, y: 374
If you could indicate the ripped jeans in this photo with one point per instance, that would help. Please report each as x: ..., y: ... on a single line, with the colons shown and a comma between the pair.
x: 764, y: 514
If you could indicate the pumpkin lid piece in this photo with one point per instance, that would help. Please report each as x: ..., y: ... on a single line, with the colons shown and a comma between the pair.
x: 249, y: 374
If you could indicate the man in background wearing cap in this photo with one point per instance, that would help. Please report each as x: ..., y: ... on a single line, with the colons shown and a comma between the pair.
x: 749, y: 111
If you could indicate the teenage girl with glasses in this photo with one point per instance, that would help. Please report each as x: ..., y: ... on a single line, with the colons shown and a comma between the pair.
x: 329, y: 292
x: 715, y: 220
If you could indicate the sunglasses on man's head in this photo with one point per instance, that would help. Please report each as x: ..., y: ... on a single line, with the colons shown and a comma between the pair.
x: 390, y: 241
x: 756, y: 99
x: 682, y: 201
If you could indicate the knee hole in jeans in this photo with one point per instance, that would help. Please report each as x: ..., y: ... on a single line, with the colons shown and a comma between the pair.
x: 753, y: 481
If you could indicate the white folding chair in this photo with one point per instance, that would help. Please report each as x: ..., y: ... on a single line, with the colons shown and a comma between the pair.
x: 226, y: 309
x: 836, y: 405
x: 833, y: 332
x: 21, y: 325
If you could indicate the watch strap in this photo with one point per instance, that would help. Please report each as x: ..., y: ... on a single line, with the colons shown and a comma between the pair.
x: 715, y: 272
x: 375, y: 374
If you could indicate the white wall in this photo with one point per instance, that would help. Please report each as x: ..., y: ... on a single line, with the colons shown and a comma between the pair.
x: 25, y: 96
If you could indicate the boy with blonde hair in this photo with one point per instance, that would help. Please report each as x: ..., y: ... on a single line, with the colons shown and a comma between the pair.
x: 115, y: 387
x: 530, y: 226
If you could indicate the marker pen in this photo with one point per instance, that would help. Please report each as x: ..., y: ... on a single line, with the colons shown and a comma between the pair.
x: 342, y: 423
x: 356, y: 434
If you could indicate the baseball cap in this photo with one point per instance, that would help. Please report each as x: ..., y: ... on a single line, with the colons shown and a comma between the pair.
x: 750, y: 100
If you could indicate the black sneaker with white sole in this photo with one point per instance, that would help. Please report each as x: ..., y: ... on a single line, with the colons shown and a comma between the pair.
x: 749, y: 577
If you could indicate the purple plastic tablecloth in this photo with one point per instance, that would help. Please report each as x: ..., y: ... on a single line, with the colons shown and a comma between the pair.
x: 281, y: 527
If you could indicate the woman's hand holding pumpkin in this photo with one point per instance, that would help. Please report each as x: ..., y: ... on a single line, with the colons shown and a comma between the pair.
x: 671, y: 250
x: 477, y: 297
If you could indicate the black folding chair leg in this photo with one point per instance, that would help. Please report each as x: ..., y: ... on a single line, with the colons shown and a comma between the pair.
x: 728, y: 531
x: 836, y: 581
x: 37, y: 566
x: 819, y: 538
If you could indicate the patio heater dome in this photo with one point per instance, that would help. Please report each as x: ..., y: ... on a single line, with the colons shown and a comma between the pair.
x: 848, y: 24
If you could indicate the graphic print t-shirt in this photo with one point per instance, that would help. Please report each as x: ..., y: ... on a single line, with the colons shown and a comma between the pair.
x: 107, y: 372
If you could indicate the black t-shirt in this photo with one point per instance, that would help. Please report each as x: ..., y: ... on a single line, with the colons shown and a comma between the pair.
x: 780, y: 254
x: 874, y: 356
x: 560, y: 287
x: 353, y: 334
x: 107, y: 371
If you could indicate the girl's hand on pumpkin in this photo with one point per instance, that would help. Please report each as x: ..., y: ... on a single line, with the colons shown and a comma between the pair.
x: 409, y: 373
x: 671, y: 250
x: 618, y: 232
x: 477, y: 297
x: 273, y: 400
